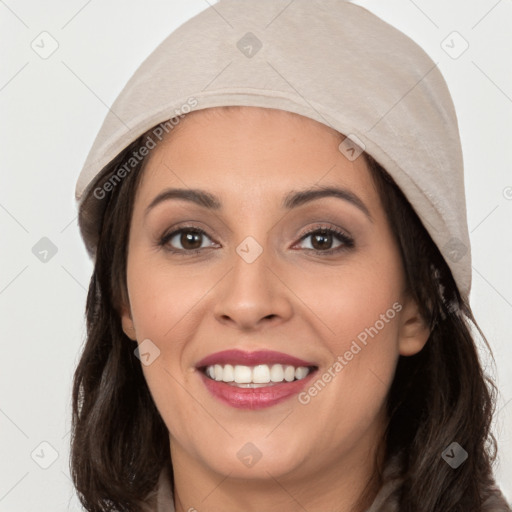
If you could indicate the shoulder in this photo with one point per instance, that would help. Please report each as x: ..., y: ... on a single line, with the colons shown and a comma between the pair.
x: 387, y: 498
x: 494, y: 501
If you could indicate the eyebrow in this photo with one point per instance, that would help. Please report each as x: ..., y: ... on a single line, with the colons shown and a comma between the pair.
x: 292, y: 200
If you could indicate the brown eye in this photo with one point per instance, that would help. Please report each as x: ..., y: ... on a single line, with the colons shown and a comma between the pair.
x: 190, y: 239
x: 322, y: 240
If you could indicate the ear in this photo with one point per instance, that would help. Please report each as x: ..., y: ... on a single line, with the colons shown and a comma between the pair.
x: 127, y: 323
x: 413, y: 331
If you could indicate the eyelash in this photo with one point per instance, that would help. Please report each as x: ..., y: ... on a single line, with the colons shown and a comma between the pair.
x: 347, y: 241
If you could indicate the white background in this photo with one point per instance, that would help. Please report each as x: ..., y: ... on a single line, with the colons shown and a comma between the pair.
x: 51, y: 110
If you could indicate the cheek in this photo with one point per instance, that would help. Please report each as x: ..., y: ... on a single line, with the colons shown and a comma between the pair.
x: 357, y: 311
x: 163, y: 306
x: 163, y: 300
x: 168, y: 305
x: 358, y: 300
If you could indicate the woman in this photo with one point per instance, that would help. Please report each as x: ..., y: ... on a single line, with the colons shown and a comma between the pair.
x: 278, y: 314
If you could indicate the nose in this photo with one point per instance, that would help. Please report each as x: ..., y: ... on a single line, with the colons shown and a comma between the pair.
x: 253, y: 294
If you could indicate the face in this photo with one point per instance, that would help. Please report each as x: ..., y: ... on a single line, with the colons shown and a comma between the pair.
x: 273, y: 279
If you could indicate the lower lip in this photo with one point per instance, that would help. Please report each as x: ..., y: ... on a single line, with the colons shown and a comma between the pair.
x: 254, y: 398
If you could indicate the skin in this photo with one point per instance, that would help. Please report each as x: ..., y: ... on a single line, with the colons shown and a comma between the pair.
x: 290, y: 299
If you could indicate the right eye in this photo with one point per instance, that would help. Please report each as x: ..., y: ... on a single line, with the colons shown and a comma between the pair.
x: 189, y: 237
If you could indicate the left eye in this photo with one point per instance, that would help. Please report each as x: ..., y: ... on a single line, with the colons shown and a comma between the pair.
x: 324, y: 237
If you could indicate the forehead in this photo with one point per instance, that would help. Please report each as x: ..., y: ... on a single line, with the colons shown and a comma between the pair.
x: 252, y: 152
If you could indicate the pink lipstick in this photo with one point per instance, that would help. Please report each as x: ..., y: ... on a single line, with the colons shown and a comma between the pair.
x: 254, y: 380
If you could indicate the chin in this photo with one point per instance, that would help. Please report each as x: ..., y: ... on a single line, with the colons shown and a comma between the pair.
x: 253, y: 457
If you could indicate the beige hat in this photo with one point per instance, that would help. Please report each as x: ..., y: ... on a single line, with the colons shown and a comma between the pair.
x: 329, y: 60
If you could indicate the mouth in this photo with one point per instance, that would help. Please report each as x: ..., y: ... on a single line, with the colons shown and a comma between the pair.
x: 253, y: 380
x: 262, y: 375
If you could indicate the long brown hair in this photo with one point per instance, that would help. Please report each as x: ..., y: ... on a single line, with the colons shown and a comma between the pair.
x: 120, y: 444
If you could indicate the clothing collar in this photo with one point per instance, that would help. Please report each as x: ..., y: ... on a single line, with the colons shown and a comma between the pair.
x: 386, y: 499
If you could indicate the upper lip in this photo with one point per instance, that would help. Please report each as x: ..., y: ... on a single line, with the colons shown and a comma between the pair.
x: 241, y: 357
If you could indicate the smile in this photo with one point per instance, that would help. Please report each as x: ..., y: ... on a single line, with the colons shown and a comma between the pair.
x: 256, y: 376
x: 267, y: 377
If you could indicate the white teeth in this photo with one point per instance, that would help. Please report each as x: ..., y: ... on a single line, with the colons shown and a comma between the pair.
x: 301, y: 372
x: 259, y: 374
x: 228, y: 374
x: 277, y: 373
x: 243, y: 374
x: 289, y: 373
